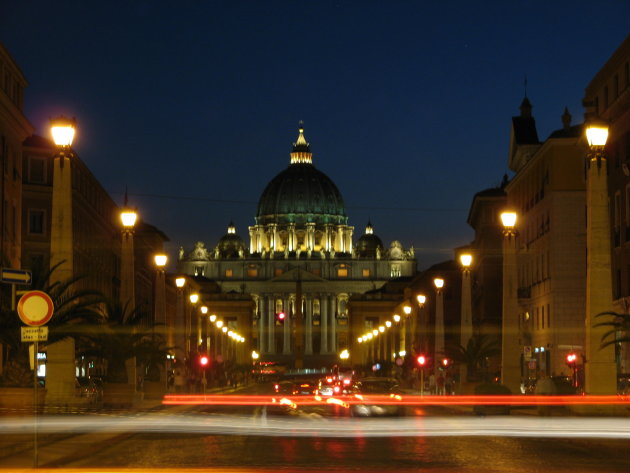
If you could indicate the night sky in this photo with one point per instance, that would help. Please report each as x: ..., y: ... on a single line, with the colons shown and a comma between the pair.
x: 407, y: 105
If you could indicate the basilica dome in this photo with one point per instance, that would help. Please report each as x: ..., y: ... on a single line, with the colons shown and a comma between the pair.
x: 301, y: 194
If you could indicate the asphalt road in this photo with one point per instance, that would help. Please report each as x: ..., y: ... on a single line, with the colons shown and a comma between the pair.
x: 272, y: 453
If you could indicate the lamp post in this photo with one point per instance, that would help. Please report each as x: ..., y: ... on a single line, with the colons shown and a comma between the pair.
x: 406, y: 338
x: 466, y: 330
x: 439, y: 323
x: 420, y: 325
x: 180, y: 317
x: 510, y: 347
x: 60, y: 364
x: 159, y: 305
x: 128, y: 219
x: 193, y: 298
x: 61, y: 236
x: 396, y: 331
x: 600, y: 369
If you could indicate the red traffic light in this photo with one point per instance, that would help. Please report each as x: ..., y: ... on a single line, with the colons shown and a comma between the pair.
x: 281, y: 316
x: 445, y: 361
x: 571, y: 358
x: 422, y: 360
x: 204, y: 360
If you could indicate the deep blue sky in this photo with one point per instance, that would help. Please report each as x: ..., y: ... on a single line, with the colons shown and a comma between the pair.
x: 406, y: 104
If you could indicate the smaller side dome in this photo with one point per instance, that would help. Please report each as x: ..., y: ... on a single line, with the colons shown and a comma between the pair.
x: 231, y: 245
x: 369, y: 245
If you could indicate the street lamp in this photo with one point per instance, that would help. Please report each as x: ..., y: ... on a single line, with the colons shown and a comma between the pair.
x: 128, y: 219
x: 439, y: 321
x: 466, y: 330
x: 60, y: 374
x: 600, y: 370
x: 180, y: 318
x: 61, y: 234
x: 510, y: 349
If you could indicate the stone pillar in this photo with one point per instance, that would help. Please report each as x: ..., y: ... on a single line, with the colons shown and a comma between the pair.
x: 308, y: 326
x: 286, y: 346
x: 271, y: 325
x: 439, y: 331
x: 323, y: 317
x: 61, y: 236
x: 600, y: 368
x: 332, y: 346
x: 510, y: 348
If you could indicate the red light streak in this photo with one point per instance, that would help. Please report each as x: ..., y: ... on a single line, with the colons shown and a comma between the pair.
x: 408, y: 400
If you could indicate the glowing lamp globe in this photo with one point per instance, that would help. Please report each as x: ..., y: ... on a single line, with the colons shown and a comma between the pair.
x: 160, y: 260
x: 62, y: 130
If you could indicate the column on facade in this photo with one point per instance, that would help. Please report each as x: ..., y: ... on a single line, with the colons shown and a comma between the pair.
x: 310, y: 236
x: 274, y: 236
x: 348, y: 236
x: 332, y: 346
x: 252, y: 239
x: 291, y: 238
x: 271, y: 324
x: 340, y: 240
x: 262, y: 312
x: 328, y: 237
x: 286, y: 343
x: 308, y: 326
x: 260, y: 238
x: 323, y: 317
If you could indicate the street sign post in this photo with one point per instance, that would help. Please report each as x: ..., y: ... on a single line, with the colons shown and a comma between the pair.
x: 35, y: 308
x: 15, y: 276
x: 34, y: 334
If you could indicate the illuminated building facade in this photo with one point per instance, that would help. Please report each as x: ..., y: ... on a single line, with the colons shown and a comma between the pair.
x: 608, y: 96
x: 14, y: 128
x: 548, y: 194
x: 301, y: 261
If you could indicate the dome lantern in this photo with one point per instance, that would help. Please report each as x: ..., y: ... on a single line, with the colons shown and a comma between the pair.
x: 301, y: 153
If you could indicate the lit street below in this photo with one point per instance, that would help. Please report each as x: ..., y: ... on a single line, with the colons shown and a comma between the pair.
x: 172, y: 447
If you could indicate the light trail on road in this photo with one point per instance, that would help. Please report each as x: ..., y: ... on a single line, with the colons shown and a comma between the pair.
x: 311, y: 426
x: 397, y: 400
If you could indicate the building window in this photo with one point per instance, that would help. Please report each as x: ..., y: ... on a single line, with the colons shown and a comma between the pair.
x: 229, y: 273
x: 395, y: 271
x: 252, y: 272
x: 342, y: 272
x: 366, y: 273
x: 316, y: 271
x: 36, y: 221
x: 278, y: 271
x: 37, y: 170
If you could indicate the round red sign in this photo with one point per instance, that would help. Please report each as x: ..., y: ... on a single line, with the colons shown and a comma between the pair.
x: 35, y: 308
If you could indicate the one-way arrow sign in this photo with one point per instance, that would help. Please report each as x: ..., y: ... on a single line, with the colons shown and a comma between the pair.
x: 15, y: 276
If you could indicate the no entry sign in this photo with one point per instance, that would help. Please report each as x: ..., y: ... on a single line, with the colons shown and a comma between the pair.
x: 35, y: 308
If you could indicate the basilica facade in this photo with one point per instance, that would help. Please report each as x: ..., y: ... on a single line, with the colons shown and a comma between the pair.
x: 300, y: 266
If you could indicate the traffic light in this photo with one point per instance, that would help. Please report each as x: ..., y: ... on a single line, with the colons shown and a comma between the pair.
x: 422, y: 360
x: 571, y: 359
x: 445, y: 362
x: 280, y: 316
x: 204, y: 360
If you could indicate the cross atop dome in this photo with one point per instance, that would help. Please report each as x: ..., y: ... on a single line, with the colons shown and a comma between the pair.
x: 301, y: 153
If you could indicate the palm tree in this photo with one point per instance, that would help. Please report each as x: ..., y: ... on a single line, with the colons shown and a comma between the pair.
x: 475, y: 354
x: 75, y: 309
x: 619, y: 328
x: 122, y: 337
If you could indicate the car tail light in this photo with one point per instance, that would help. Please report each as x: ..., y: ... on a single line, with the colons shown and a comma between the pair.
x: 336, y: 389
x: 346, y: 382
